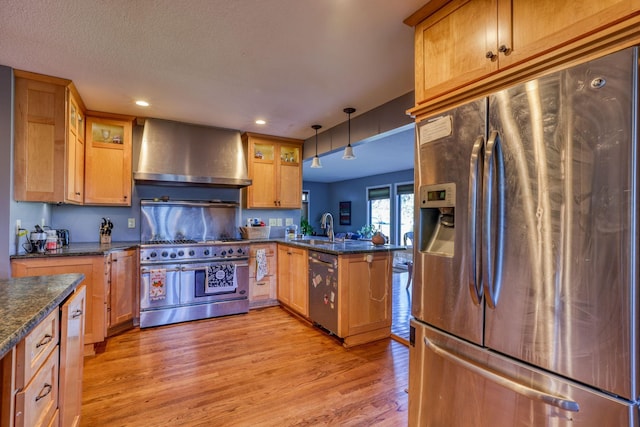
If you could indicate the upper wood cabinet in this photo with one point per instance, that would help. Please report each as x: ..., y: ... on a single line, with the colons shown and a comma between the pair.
x: 466, y: 41
x: 275, y: 168
x: 75, y: 150
x: 108, y: 160
x: 47, y: 164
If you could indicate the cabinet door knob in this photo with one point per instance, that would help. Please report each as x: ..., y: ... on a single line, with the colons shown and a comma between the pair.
x: 504, y: 49
x: 490, y: 55
x: 77, y: 193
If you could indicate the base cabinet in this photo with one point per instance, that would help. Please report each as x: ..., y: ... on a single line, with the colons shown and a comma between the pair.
x: 72, y: 315
x: 364, y: 295
x: 42, y: 375
x: 293, y: 290
x: 122, y: 298
x: 93, y: 268
x: 262, y: 291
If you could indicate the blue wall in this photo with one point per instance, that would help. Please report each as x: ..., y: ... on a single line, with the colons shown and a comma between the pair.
x: 326, y: 198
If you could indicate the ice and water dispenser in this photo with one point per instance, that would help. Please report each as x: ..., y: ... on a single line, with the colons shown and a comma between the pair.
x: 437, y: 219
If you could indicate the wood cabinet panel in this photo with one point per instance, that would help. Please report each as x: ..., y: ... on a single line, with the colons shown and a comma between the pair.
x: 293, y: 288
x: 72, y: 317
x: 39, y: 140
x: 123, y: 288
x: 35, y: 348
x: 93, y: 269
x: 451, y: 46
x: 263, y: 292
x: 75, y: 151
x: 36, y: 404
x: 544, y: 25
x: 365, y: 292
x: 470, y: 43
x: 108, y: 161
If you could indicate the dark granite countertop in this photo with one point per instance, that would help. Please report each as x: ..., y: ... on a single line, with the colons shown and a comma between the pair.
x: 345, y: 247
x: 75, y: 249
x: 26, y: 301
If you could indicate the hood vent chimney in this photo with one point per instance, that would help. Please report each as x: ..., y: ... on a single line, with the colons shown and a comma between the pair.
x: 174, y: 153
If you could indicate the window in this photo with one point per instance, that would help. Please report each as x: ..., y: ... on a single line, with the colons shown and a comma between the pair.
x: 379, y: 203
x: 404, y: 196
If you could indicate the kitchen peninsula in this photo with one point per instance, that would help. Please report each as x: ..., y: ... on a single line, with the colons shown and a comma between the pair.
x: 41, y: 349
x: 344, y: 286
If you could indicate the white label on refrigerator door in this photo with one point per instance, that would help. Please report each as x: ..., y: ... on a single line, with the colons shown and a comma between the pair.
x: 437, y: 128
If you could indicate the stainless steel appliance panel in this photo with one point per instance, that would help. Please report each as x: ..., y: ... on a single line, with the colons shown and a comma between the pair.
x: 461, y: 384
x: 323, y: 290
x: 188, y: 291
x: 441, y: 290
x: 172, y: 287
x: 567, y: 300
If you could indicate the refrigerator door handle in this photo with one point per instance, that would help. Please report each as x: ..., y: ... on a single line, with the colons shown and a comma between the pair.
x: 493, y: 190
x: 475, y: 179
x: 513, y: 385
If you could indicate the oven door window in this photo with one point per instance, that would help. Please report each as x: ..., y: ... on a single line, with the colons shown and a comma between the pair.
x: 216, y: 279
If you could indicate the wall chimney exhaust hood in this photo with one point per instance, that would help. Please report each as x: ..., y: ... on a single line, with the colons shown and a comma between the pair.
x: 174, y: 153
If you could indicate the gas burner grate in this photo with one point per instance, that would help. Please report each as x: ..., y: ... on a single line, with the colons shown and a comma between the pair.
x: 169, y: 242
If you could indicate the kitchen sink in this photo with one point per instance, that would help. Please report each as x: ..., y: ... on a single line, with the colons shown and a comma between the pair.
x: 324, y: 242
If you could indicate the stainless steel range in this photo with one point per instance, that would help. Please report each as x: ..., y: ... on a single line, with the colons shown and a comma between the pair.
x: 192, y: 266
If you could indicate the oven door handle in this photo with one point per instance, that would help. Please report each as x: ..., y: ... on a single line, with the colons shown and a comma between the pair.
x: 159, y: 267
x: 204, y: 267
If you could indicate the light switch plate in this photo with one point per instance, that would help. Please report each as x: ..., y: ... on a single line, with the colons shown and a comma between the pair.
x: 279, y: 222
x: 272, y: 222
x: 288, y: 221
x: 131, y: 223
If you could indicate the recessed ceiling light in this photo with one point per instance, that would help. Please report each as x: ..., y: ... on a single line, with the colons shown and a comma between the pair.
x: 261, y: 122
x: 142, y: 103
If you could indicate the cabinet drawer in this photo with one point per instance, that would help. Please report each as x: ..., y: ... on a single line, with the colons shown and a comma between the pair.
x: 34, y: 349
x: 262, y: 289
x: 36, y: 404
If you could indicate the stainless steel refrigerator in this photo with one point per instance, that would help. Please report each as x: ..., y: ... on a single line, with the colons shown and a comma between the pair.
x: 525, y: 300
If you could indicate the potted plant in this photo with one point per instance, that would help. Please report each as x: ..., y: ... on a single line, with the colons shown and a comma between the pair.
x: 305, y: 227
x: 366, y: 231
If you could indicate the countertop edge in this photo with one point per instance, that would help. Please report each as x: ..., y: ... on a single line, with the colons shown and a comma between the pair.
x: 58, y: 288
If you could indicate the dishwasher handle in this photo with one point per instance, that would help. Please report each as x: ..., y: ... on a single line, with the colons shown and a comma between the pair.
x: 318, y: 261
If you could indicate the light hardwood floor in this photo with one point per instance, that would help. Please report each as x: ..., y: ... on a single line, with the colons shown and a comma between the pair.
x: 264, y: 368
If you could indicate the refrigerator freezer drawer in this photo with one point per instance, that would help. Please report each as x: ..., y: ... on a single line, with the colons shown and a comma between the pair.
x: 454, y: 383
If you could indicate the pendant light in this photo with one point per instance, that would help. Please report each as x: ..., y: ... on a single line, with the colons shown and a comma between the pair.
x: 315, y: 163
x: 348, y: 150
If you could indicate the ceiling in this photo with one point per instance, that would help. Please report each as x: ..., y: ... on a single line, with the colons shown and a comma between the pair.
x: 222, y: 63
x: 387, y: 153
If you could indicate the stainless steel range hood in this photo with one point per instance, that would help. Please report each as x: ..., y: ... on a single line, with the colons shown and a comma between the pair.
x: 174, y: 153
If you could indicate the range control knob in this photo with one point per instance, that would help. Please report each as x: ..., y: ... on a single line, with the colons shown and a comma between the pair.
x: 173, y: 255
x: 206, y: 252
x: 192, y: 252
x: 180, y: 253
x: 223, y: 253
x: 164, y: 254
x: 153, y: 254
x: 239, y: 251
x: 230, y: 251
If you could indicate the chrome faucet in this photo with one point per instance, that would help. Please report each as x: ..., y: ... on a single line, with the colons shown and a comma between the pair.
x: 327, y: 224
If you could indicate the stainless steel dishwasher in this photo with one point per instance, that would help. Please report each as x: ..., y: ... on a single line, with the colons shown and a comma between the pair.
x: 323, y: 290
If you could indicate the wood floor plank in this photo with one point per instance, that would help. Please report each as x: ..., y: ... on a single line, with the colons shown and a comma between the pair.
x: 264, y: 368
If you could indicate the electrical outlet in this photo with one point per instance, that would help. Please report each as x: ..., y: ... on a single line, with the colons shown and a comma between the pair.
x: 131, y: 223
x: 18, y: 224
x: 42, y: 223
x: 279, y: 222
x: 288, y: 221
x: 272, y: 222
